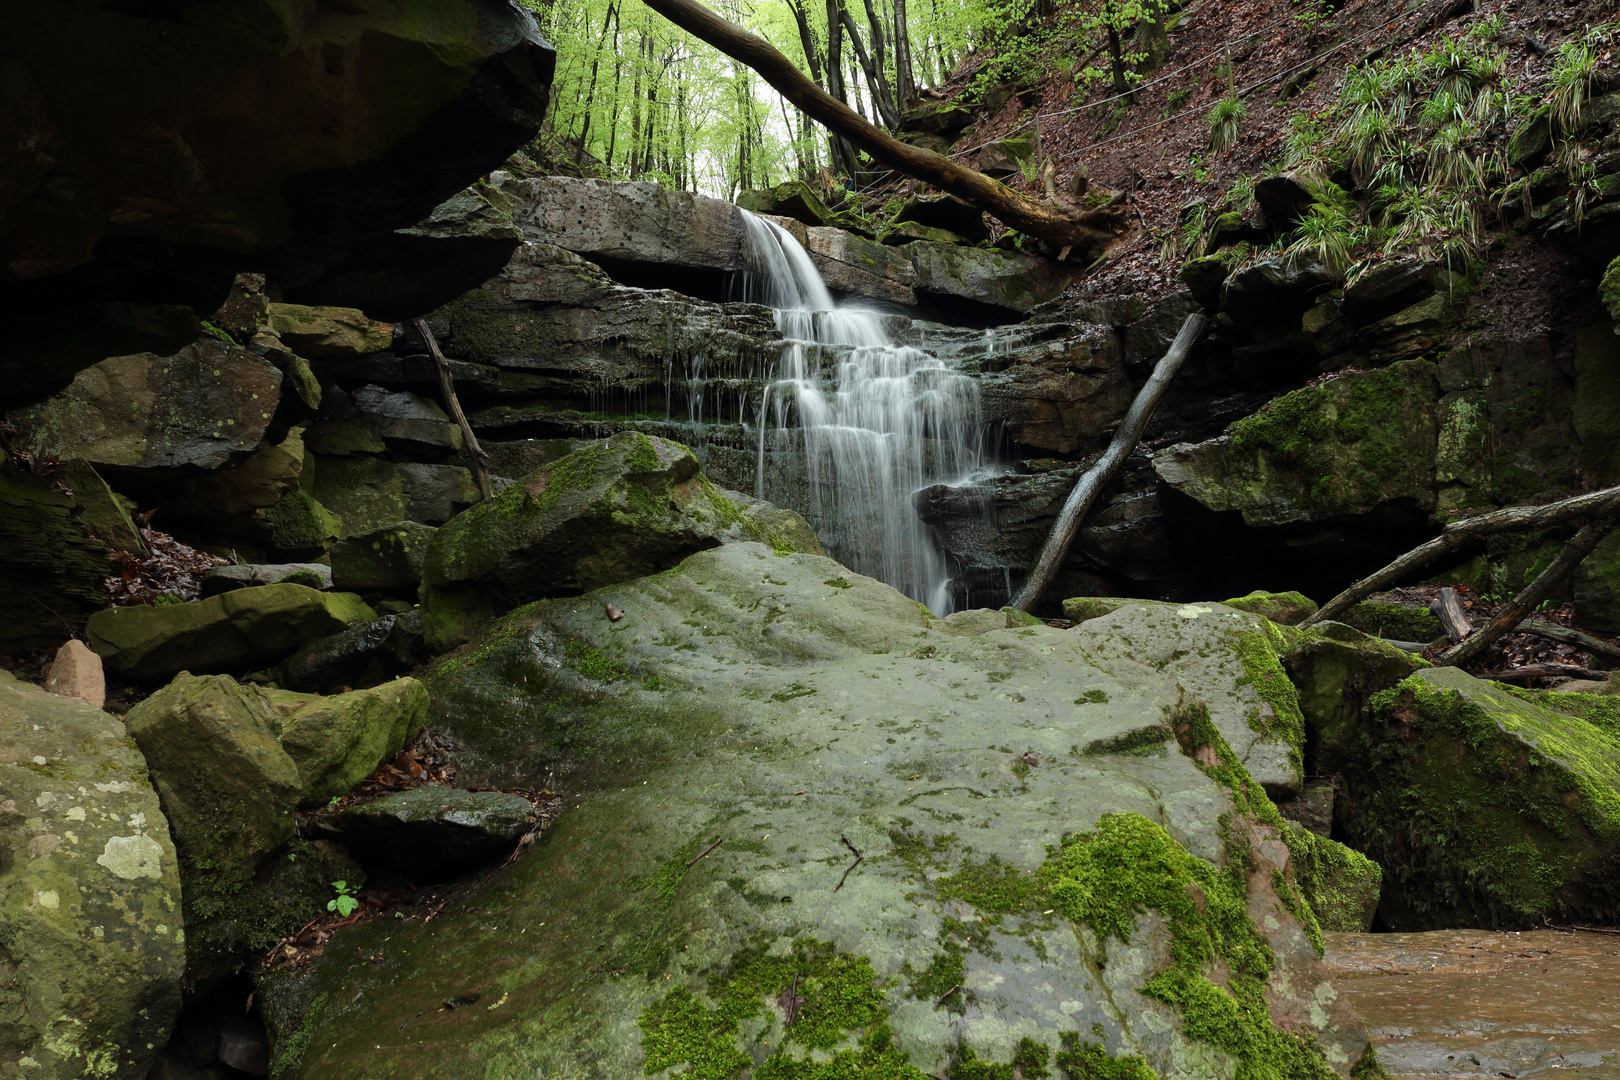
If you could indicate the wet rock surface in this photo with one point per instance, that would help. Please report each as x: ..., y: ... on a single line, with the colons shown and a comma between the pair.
x: 811, y: 801
x: 429, y: 827
x: 1469, y: 1003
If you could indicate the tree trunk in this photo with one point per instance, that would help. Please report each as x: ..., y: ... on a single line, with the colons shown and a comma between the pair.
x: 590, y: 97
x: 1059, y: 226
x: 1085, y: 492
x: 1116, y: 61
x: 905, y: 77
x: 882, y: 108
x: 842, y: 153
x: 1449, y: 610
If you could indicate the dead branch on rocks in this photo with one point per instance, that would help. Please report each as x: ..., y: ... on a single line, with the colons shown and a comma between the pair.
x: 447, y: 389
x: 1458, y: 533
x: 1566, y: 636
x: 1449, y: 610
x: 1085, y: 492
x: 1530, y: 598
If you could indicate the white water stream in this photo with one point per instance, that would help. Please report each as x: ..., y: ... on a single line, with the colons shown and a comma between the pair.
x: 877, y: 422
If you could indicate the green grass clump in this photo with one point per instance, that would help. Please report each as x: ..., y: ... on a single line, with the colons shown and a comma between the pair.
x: 1224, y: 121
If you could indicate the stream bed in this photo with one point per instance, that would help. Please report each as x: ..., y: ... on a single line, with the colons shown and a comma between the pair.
x: 1474, y: 1003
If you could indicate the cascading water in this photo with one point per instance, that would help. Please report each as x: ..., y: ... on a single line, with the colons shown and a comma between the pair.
x: 872, y: 423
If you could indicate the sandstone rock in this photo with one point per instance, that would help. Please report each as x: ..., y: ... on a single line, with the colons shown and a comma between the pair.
x: 937, y: 118
x: 650, y: 739
x: 1008, y: 280
x: 228, y: 790
x: 258, y: 483
x: 795, y: 199
x: 1343, y: 447
x: 235, y: 631
x: 429, y: 827
x: 405, y: 421
x: 52, y: 572
x: 223, y: 579
x: 300, y: 526
x: 1286, y: 608
x: 1450, y: 772
x: 1079, y: 609
x: 1314, y: 808
x: 76, y: 673
x: 945, y: 212
x: 301, y: 192
x: 101, y: 513
x: 1005, y: 157
x: 1272, y: 287
x: 849, y: 264
x: 1398, y: 622
x: 1339, y: 883
x: 372, y: 494
x: 339, y: 740
x: 1062, y: 396
x: 360, y: 656
x: 328, y: 333
x: 386, y: 559
x: 1336, y: 670
x: 207, y: 406
x: 627, y: 506
x: 89, y: 893
x: 246, y: 310
x: 1597, y: 587
x: 242, y: 1045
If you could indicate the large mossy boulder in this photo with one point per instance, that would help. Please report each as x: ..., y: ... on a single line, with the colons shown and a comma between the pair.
x: 91, y: 941
x: 1484, y: 809
x: 1335, y: 670
x: 1344, y: 447
x: 363, y: 655
x: 207, y: 406
x: 234, y: 631
x: 388, y: 559
x: 339, y: 740
x: 811, y: 823
x: 618, y: 509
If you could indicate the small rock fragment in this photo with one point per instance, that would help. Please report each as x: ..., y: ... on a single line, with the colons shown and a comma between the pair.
x: 76, y: 672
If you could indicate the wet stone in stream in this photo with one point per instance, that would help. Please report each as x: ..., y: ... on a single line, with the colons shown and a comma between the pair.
x: 1471, y: 1003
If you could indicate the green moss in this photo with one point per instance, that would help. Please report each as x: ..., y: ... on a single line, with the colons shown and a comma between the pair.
x: 1399, y: 622
x: 1128, y: 866
x: 1030, y: 1061
x: 1602, y: 711
x: 838, y: 583
x: 1264, y: 671
x: 1092, y: 697
x: 288, y: 1053
x: 593, y: 663
x: 1339, y: 884
x: 992, y: 887
x: 1285, y: 607
x: 1090, y: 1061
x: 1609, y: 290
x: 945, y: 971
x: 299, y: 523
x: 835, y: 995
x: 1141, y: 740
x: 1483, y: 811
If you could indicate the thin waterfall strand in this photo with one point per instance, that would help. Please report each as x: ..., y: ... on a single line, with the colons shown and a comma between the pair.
x: 877, y: 422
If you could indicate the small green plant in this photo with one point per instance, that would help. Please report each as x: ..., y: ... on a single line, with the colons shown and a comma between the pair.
x: 1328, y: 235
x: 211, y: 329
x: 1224, y: 121
x: 1310, y: 12
x: 1174, y: 101
x: 1573, y: 70
x: 345, y: 903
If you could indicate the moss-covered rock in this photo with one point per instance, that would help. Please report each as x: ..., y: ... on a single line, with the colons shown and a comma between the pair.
x: 615, y: 510
x: 428, y: 827
x: 363, y: 655
x: 1340, y: 884
x: 53, y: 572
x: 338, y: 740
x: 1077, y: 609
x: 90, y: 929
x: 234, y: 631
x: 1483, y: 809
x: 794, y: 198
x: 750, y: 698
x: 1286, y: 608
x: 1398, y: 622
x: 1340, y: 448
x: 1336, y: 670
x: 328, y: 333
x: 388, y: 559
x: 228, y: 790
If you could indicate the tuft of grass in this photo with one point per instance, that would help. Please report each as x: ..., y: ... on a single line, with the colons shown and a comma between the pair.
x: 1328, y: 235
x: 1574, y: 68
x: 1225, y: 119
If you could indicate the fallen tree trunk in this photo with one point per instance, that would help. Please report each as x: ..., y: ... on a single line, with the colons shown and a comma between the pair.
x: 1449, y: 610
x: 1544, y: 671
x: 1096, y: 478
x: 1513, y: 612
x: 1060, y: 226
x: 1566, y: 636
x: 1458, y: 533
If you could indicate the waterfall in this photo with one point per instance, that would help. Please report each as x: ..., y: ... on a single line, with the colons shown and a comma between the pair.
x: 868, y: 421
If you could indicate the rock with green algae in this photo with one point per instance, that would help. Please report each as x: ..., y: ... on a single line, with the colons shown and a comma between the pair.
x: 234, y: 631
x: 428, y: 827
x: 227, y: 788
x: 1344, y: 447
x: 614, y: 510
x: 1398, y: 622
x: 338, y: 740
x: 328, y: 333
x: 388, y: 559
x: 1609, y: 292
x: 1339, y: 883
x: 1336, y: 670
x: 90, y: 927
x: 1484, y: 809
x: 1229, y: 660
x: 363, y: 655
x: 1286, y: 608
x: 1078, y: 609
x: 792, y: 711
x: 54, y: 571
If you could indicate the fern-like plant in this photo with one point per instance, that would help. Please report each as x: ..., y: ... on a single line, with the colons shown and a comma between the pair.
x: 1328, y: 235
